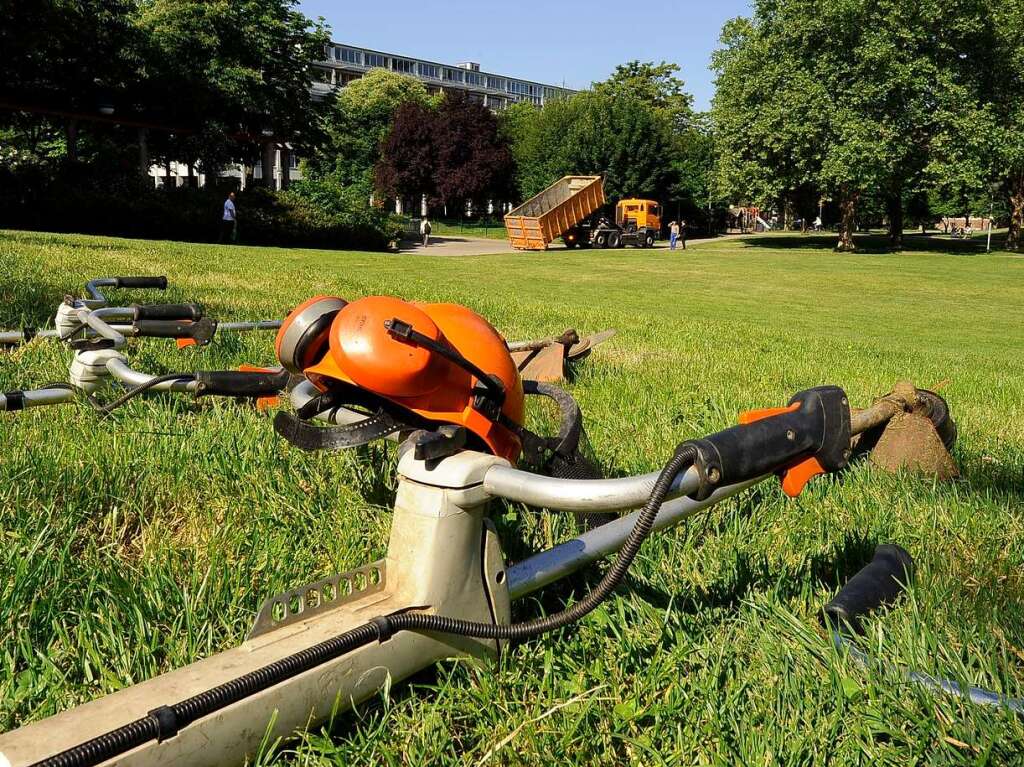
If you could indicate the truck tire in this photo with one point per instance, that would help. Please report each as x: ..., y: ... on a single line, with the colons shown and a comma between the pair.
x: 649, y: 240
x: 614, y: 240
x: 601, y: 240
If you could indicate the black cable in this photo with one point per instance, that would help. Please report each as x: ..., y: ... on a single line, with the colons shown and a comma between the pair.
x: 133, y: 393
x: 166, y: 721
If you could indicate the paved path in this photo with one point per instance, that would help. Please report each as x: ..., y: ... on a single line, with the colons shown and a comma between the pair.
x: 478, y: 246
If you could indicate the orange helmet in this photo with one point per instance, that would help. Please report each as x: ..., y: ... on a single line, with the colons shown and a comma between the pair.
x: 421, y: 364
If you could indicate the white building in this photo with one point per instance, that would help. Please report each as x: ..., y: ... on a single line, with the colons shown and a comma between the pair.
x: 345, y: 63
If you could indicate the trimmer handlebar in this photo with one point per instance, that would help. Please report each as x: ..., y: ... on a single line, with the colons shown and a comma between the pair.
x: 879, y: 583
x: 233, y: 383
x: 191, y: 312
x: 201, y: 331
x: 152, y: 283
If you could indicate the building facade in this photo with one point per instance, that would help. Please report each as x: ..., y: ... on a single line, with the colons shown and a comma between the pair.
x: 346, y: 63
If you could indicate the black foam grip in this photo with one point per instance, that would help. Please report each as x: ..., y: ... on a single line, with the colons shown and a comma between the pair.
x: 169, y: 312
x: 165, y: 329
x: 879, y: 583
x: 233, y: 383
x: 156, y: 283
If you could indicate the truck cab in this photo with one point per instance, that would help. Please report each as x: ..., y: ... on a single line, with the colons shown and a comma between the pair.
x: 631, y: 215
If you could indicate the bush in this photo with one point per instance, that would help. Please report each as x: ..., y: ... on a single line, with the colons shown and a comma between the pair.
x: 72, y: 197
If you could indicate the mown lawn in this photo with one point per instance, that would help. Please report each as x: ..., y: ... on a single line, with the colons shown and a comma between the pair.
x: 136, y: 544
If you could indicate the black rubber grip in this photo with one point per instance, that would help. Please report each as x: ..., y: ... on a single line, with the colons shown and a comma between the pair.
x: 155, y: 283
x: 168, y: 312
x: 234, y: 383
x: 200, y: 331
x: 880, y: 583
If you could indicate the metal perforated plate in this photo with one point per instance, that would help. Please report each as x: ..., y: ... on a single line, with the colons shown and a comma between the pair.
x: 316, y: 598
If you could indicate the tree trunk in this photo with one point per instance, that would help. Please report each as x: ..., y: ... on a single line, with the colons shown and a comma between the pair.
x: 1015, y: 239
x: 143, y: 155
x: 71, y: 131
x: 895, y: 210
x: 847, y: 221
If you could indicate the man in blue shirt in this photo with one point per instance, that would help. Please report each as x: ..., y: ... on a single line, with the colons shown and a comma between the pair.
x: 229, y: 221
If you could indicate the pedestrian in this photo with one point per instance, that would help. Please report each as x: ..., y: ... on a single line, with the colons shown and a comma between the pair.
x: 673, y: 230
x: 425, y: 230
x: 682, y: 234
x: 229, y: 221
x: 817, y: 224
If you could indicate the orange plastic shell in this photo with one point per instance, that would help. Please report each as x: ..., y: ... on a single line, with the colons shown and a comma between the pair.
x: 364, y: 353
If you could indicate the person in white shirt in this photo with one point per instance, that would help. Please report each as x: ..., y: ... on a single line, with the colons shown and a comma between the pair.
x: 425, y: 230
x: 229, y: 220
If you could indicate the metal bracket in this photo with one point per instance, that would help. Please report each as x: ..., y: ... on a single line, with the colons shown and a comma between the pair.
x: 313, y: 599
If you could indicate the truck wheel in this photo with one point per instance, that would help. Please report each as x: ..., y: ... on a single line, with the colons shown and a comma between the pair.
x: 601, y: 240
x: 614, y: 240
x: 649, y: 240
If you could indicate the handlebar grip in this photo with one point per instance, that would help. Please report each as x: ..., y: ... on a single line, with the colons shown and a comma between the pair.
x: 201, y: 331
x: 156, y: 283
x: 879, y: 583
x: 168, y: 312
x: 232, y: 383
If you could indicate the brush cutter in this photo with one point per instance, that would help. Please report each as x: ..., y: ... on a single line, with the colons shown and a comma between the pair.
x: 548, y: 360
x: 441, y: 379
x: 880, y: 583
x: 81, y: 320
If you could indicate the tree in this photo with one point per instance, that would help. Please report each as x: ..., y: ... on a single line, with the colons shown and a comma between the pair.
x: 837, y: 96
x: 407, y: 165
x: 473, y: 161
x: 594, y: 132
x: 357, y: 123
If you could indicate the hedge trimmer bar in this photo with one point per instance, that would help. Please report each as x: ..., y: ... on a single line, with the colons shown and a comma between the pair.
x: 443, y: 591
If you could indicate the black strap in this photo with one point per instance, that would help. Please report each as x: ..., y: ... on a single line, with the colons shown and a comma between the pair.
x: 15, y: 400
x: 308, y: 437
x: 29, y: 333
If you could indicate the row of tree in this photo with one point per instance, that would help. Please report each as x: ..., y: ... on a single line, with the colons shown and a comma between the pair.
x: 910, y: 105
x: 638, y: 128
x: 214, y: 79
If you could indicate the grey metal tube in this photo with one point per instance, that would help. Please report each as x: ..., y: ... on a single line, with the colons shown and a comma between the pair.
x: 243, y: 327
x: 42, y: 397
x: 579, y: 494
x: 119, y: 370
x: 96, y: 298
x: 305, y: 391
x: 554, y: 564
x: 102, y: 328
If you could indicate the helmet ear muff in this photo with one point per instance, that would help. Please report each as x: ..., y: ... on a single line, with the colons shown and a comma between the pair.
x: 305, y: 336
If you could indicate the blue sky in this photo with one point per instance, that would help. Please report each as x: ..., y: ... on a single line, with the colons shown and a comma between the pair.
x: 550, y: 41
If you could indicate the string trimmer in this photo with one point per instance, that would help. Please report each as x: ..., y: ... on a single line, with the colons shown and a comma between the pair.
x: 442, y: 378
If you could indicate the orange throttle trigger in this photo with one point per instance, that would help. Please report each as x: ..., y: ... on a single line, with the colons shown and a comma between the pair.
x: 263, y: 404
x: 794, y: 479
x: 752, y: 416
x: 808, y: 437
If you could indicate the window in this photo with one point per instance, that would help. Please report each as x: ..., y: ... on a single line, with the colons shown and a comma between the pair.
x: 376, y: 60
x: 654, y: 210
x: 496, y: 102
x: 430, y: 70
x: 403, y: 65
x: 474, y: 78
x: 453, y: 75
x: 293, y: 161
x: 350, y: 56
x: 495, y: 83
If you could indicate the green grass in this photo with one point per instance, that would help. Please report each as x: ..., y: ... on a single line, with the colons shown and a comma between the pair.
x: 137, y: 544
x: 443, y: 229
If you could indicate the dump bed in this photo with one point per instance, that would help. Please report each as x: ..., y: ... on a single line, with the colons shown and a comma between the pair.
x: 553, y: 212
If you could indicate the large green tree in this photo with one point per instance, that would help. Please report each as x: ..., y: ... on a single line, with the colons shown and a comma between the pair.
x: 358, y: 121
x: 834, y: 97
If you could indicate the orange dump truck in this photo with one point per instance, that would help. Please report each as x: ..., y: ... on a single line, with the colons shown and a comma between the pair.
x: 542, y: 219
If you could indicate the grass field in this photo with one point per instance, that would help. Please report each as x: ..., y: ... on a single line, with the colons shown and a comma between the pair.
x: 443, y: 229
x: 137, y: 544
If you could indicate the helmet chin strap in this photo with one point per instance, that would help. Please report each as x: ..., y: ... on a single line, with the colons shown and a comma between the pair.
x: 305, y: 436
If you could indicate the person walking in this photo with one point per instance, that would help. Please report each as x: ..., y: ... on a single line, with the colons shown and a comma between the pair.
x: 682, y: 234
x: 425, y: 230
x: 817, y: 224
x: 229, y: 221
x: 673, y: 230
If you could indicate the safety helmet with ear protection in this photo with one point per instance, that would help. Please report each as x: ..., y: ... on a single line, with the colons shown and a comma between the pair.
x: 408, y: 365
